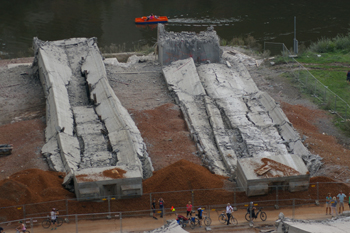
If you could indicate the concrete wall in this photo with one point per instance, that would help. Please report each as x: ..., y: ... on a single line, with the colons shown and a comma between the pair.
x: 201, y: 47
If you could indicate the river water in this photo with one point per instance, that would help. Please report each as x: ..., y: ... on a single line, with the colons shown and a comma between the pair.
x: 112, y: 21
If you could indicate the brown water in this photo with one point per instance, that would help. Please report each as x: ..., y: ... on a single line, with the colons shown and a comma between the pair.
x: 112, y: 21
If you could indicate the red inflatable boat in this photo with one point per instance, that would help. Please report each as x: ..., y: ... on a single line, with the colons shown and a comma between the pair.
x: 159, y: 19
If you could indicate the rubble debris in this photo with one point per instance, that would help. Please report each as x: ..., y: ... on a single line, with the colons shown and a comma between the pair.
x: 5, y: 149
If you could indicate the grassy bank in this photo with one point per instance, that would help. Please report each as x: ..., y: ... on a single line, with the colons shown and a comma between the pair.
x: 329, y: 61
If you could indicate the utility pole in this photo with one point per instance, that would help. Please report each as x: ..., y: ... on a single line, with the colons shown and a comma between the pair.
x: 295, y: 36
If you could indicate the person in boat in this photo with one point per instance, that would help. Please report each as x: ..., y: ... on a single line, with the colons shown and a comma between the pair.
x: 152, y: 16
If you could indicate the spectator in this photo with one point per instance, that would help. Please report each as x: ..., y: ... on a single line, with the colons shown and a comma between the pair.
x: 54, y: 214
x: 154, y: 209
x: 161, y: 206
x: 328, y: 204
x: 189, y: 209
x: 341, y: 197
x: 348, y: 77
x: 334, y: 206
x: 229, y: 210
x: 200, y: 215
x: 349, y: 200
x: 2, y: 230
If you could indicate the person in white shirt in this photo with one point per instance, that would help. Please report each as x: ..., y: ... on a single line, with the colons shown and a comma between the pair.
x: 53, y: 214
x: 229, y: 210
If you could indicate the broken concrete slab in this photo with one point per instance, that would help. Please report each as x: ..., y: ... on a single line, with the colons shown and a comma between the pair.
x: 99, y: 135
x: 202, y: 47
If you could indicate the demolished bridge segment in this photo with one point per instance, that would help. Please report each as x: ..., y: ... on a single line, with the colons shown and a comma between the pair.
x: 89, y: 133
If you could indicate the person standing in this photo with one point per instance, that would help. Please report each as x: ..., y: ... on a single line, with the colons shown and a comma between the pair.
x: 341, y: 197
x: 189, y: 209
x: 154, y: 209
x: 229, y: 210
x: 349, y: 200
x: 348, y: 77
x: 334, y: 206
x: 328, y: 204
x: 200, y: 215
x: 161, y: 206
x: 53, y: 215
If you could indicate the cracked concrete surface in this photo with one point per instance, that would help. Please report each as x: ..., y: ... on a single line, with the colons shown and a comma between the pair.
x: 87, y: 127
x: 230, y: 119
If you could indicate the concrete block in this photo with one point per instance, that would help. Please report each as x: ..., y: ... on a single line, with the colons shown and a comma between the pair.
x: 298, y: 186
x: 202, y: 47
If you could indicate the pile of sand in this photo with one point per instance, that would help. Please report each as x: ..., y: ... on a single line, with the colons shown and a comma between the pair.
x: 182, y: 175
x: 31, y: 186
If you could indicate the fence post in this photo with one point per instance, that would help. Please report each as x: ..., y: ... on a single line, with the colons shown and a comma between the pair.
x: 234, y: 197
x: 66, y: 207
x: 208, y: 211
x: 76, y: 223
x: 325, y: 94
x: 277, y: 195
x: 31, y: 224
x: 317, y: 191
x: 335, y: 103
x: 109, y: 206
x: 192, y: 193
x: 293, y: 207
x: 24, y: 211
x: 150, y: 200
x: 121, y: 222
x: 164, y: 220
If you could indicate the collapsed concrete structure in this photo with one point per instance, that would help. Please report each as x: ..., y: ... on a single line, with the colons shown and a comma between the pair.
x: 231, y: 120
x: 340, y: 224
x: 89, y: 134
x: 201, y: 47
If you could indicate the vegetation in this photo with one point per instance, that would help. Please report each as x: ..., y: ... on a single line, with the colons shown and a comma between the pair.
x: 328, y: 61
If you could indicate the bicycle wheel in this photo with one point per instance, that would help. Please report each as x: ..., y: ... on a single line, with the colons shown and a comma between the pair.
x: 234, y: 221
x: 263, y: 216
x: 222, y: 218
x: 193, y: 224
x: 59, y: 221
x: 26, y: 231
x: 247, y: 217
x: 46, y: 223
x: 207, y: 221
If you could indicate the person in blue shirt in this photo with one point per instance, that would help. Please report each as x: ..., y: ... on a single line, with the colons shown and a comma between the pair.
x: 341, y: 197
x: 334, y: 206
x: 328, y: 204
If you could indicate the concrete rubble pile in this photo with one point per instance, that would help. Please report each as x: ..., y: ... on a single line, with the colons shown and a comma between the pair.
x: 339, y: 224
x: 88, y: 130
x: 201, y: 47
x: 171, y: 227
x: 231, y: 121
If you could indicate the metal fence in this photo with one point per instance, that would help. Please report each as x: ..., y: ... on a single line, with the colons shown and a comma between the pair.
x: 279, y: 195
x: 139, y: 221
x: 309, y: 84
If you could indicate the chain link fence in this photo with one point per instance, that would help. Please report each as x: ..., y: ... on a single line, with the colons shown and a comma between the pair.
x: 141, y: 220
x: 278, y: 196
x: 308, y: 83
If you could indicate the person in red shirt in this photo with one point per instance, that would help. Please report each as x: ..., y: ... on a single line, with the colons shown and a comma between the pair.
x: 189, y: 209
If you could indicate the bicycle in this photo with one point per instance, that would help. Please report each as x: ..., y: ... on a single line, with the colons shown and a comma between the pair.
x: 47, y: 222
x: 263, y: 215
x: 223, y: 219
x: 17, y: 231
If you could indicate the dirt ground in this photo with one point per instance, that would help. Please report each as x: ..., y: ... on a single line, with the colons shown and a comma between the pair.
x: 142, y: 90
